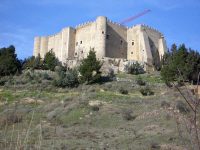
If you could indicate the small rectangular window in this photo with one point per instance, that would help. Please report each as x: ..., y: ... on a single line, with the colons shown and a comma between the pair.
x: 131, y: 52
x: 121, y: 42
x: 107, y: 37
x: 133, y: 43
x: 81, y: 42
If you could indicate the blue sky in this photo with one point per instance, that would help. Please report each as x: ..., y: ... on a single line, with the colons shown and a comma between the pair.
x: 21, y: 20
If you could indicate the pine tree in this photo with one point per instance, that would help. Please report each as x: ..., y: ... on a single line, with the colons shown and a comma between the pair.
x: 9, y: 64
x: 90, y: 68
x: 50, y: 61
x: 181, y: 64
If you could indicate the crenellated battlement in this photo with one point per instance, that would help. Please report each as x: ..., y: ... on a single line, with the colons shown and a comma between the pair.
x: 118, y: 24
x: 149, y: 27
x: 106, y: 37
x: 144, y: 26
x: 84, y: 24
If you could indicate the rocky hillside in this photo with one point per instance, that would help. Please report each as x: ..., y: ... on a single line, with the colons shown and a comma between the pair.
x: 121, y: 114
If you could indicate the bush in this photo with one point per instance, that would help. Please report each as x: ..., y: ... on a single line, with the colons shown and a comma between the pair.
x: 140, y: 82
x: 90, y: 68
x: 46, y: 76
x: 10, y: 119
x: 182, y: 107
x: 123, y: 91
x: 3, y: 80
x: 146, y: 91
x: 111, y: 73
x: 66, y: 79
x: 134, y: 68
x: 165, y: 104
x: 95, y: 108
x: 127, y: 115
x: 33, y: 63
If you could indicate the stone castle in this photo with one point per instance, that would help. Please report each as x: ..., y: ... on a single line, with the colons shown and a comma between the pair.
x: 138, y: 43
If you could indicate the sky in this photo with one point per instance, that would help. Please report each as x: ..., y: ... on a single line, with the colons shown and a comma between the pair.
x: 22, y: 20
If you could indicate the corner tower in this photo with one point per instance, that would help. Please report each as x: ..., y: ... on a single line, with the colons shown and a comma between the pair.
x: 100, y: 40
x: 36, y: 50
x: 43, y: 46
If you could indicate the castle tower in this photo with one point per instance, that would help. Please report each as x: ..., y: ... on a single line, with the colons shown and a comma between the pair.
x: 145, y: 53
x: 43, y: 46
x: 100, y: 47
x: 36, y: 50
x: 108, y: 39
x: 162, y: 47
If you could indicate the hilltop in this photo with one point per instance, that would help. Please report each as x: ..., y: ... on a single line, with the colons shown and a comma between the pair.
x: 112, y: 115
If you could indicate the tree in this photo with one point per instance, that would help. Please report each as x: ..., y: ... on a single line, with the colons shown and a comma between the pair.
x: 9, y: 64
x: 33, y: 63
x: 90, y: 68
x: 50, y: 61
x: 28, y: 62
x: 180, y: 64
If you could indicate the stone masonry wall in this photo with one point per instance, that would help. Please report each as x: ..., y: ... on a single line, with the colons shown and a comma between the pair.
x: 138, y: 43
x: 116, y: 41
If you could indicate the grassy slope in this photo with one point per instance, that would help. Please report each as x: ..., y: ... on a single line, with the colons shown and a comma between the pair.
x: 64, y: 120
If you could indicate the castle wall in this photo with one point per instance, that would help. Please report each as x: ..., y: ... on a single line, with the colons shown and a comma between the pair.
x: 133, y: 42
x: 116, y: 41
x: 71, y: 43
x: 84, y: 40
x: 43, y: 46
x: 145, y: 49
x: 36, y: 50
x: 145, y: 44
x: 91, y: 36
x: 62, y: 44
x: 100, y: 37
x: 139, y: 43
x: 156, y: 44
x: 162, y: 47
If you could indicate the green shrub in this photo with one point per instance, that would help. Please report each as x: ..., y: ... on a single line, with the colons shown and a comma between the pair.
x: 123, y: 91
x: 146, y: 91
x: 3, y: 80
x: 95, y: 108
x: 182, y: 107
x: 33, y: 63
x: 128, y: 114
x: 134, y: 68
x: 165, y: 104
x: 46, y: 76
x: 111, y: 73
x: 66, y: 79
x: 140, y: 82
